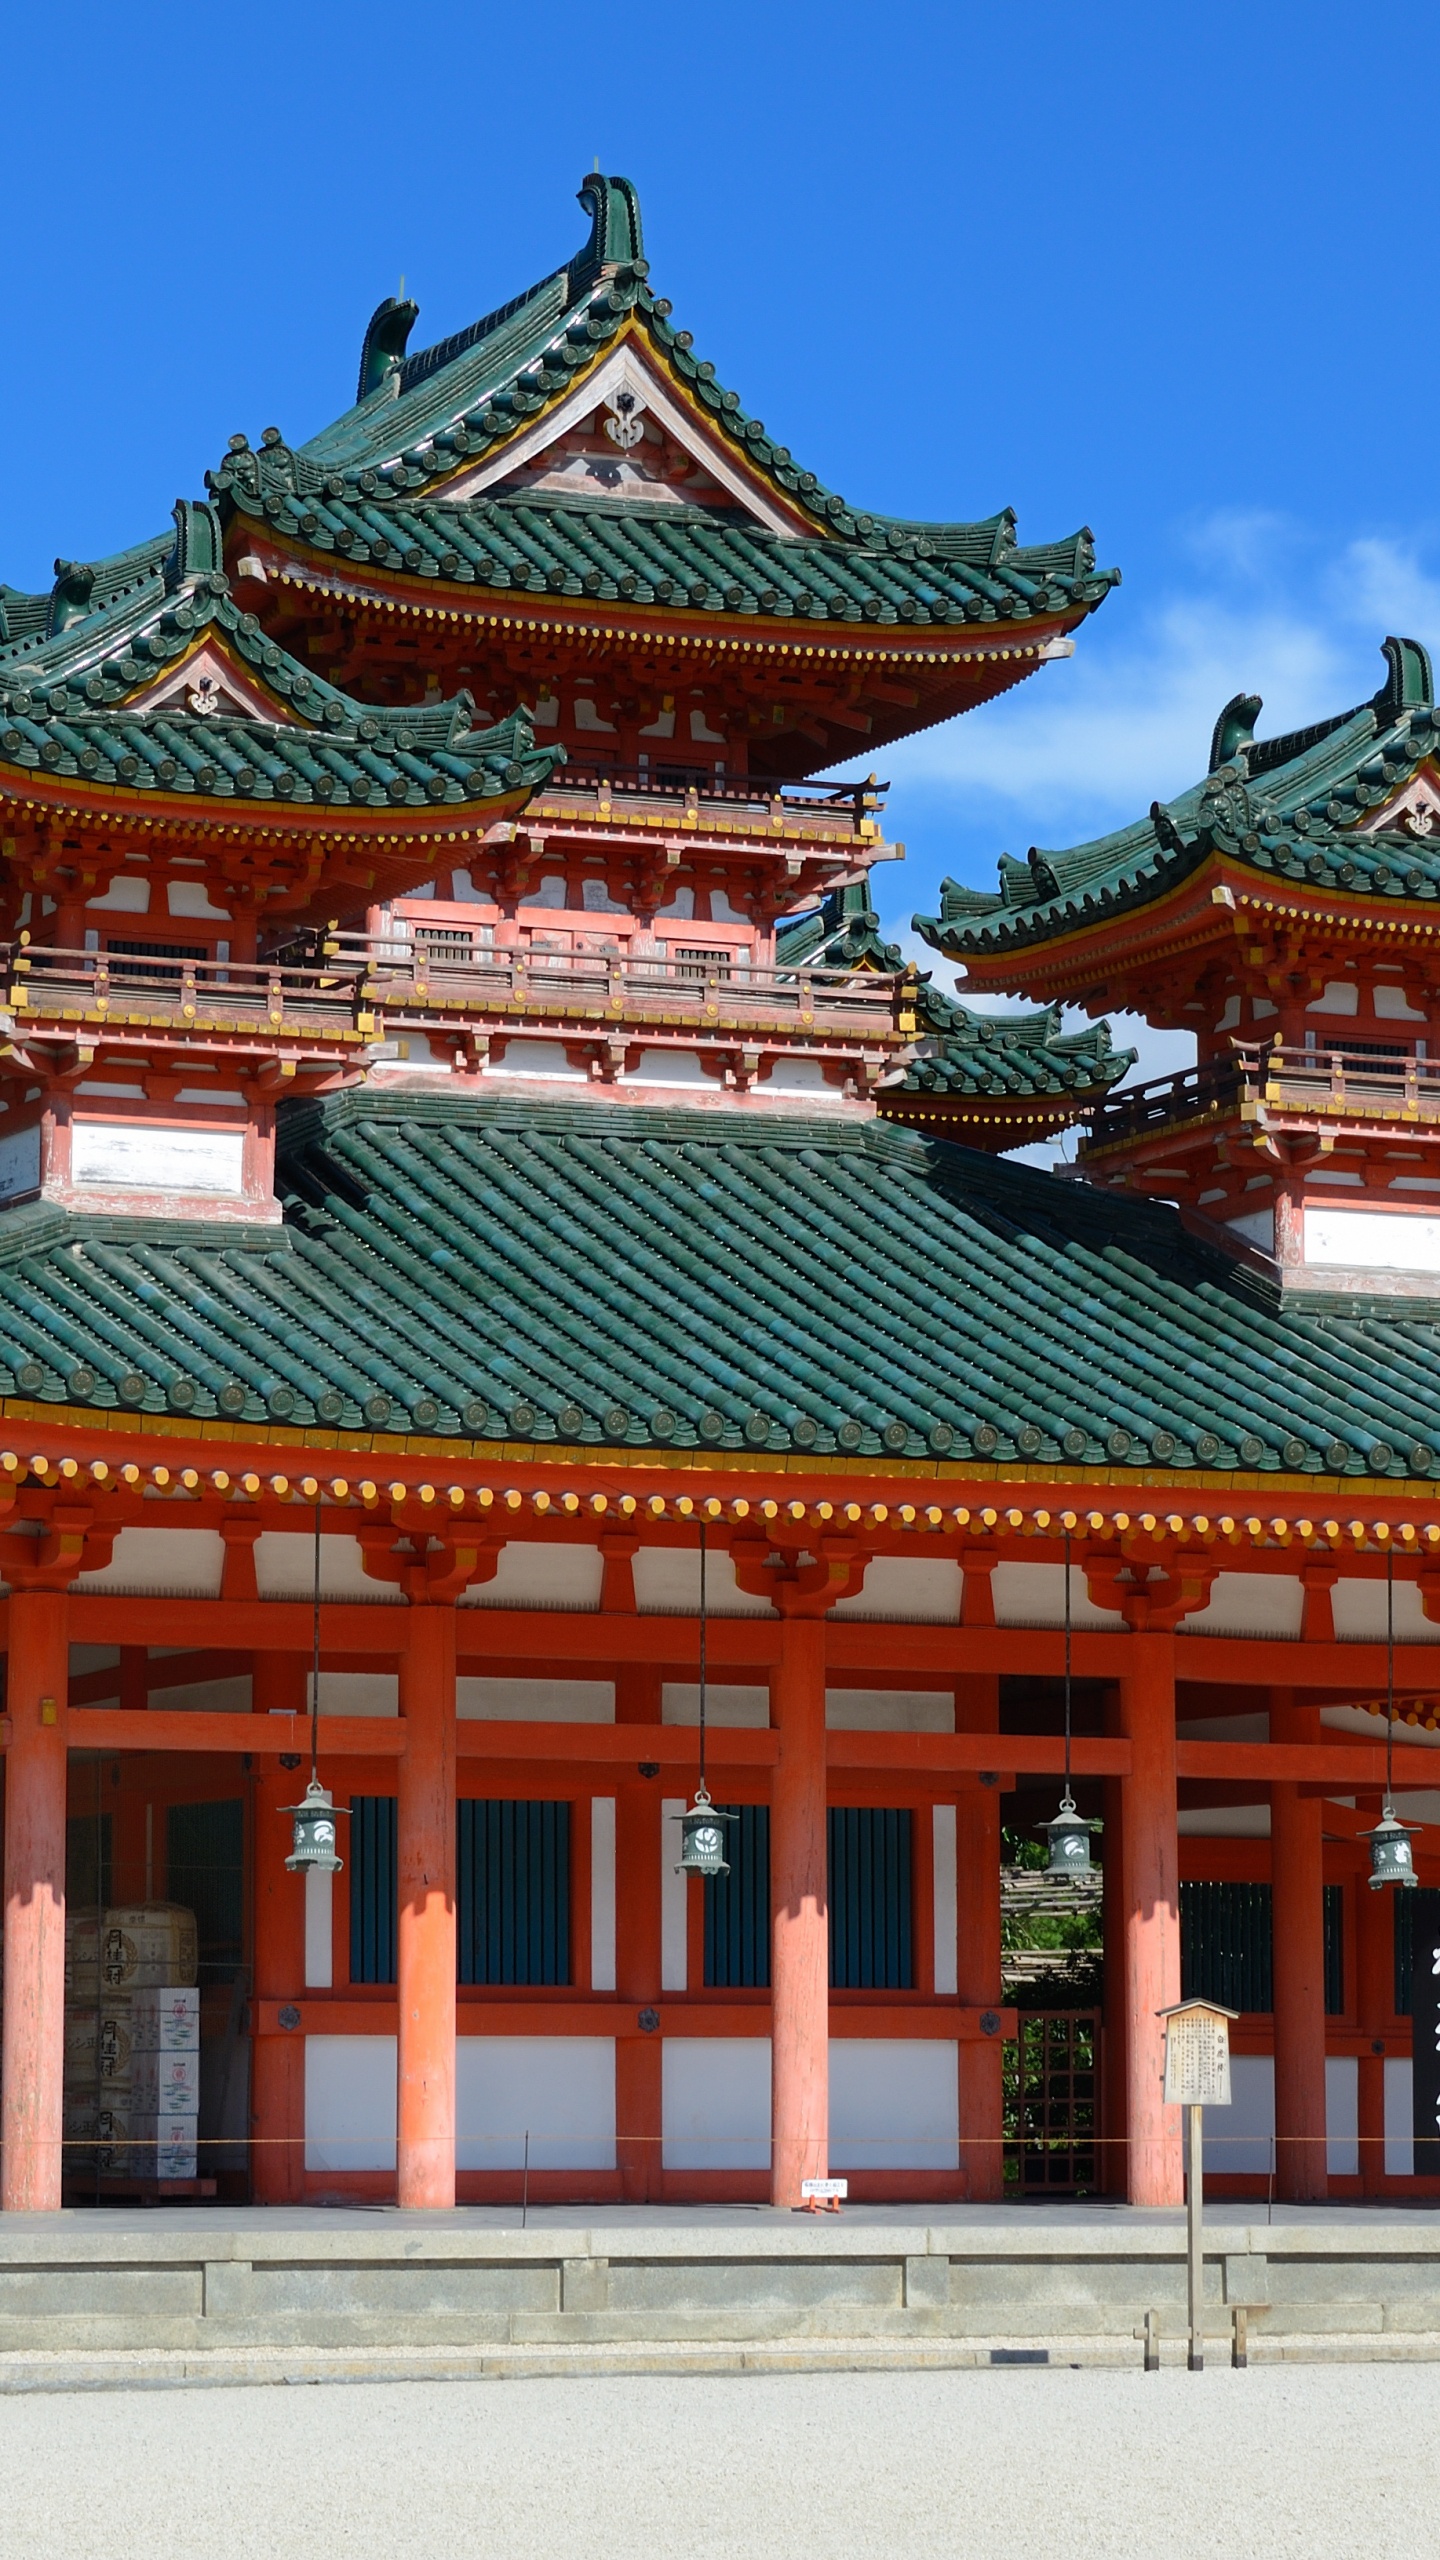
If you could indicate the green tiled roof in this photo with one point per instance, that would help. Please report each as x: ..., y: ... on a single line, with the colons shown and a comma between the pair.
x: 360, y: 487
x: 676, y: 555
x: 610, y: 1274
x: 1287, y: 807
x: 1005, y: 1056
x: 64, y: 706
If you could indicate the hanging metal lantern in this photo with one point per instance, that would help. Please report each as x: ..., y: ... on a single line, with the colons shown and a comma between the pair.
x: 1392, y: 1860
x: 702, y: 1840
x: 1069, y: 1837
x: 314, y: 1851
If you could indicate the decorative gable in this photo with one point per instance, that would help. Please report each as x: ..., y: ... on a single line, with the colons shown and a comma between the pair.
x: 626, y: 432
x: 209, y: 681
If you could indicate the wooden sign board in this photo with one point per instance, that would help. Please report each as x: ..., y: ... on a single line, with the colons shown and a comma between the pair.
x: 825, y: 2190
x: 1197, y: 2059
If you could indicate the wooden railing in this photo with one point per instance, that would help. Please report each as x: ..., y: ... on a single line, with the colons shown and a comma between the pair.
x: 679, y: 786
x: 351, y: 985
x: 1368, y: 1081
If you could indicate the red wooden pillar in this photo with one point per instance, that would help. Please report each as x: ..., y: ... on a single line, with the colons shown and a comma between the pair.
x: 1297, y: 1873
x: 33, y: 2066
x: 426, y: 1936
x: 800, y: 1919
x: 277, y: 2074
x: 977, y: 1935
x: 1150, y: 1918
x: 639, y: 1851
x: 1374, y: 2009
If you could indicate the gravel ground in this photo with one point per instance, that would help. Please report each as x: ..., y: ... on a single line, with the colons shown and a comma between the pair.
x: 1152, y: 2467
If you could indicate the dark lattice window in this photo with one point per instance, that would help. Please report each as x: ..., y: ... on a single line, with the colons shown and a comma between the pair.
x: 1227, y: 1945
x: 514, y: 1878
x: 372, y: 1888
x: 871, y: 1919
x: 737, y: 1906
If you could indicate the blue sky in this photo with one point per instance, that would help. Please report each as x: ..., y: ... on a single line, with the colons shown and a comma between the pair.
x: 1163, y: 270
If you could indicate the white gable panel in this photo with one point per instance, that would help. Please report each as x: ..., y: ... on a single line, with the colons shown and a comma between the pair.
x: 626, y: 369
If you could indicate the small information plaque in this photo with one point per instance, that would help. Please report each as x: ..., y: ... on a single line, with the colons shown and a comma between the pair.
x: 825, y: 2190
x: 1197, y: 2057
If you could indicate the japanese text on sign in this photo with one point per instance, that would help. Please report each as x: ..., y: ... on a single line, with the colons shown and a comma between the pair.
x: 1197, y: 2061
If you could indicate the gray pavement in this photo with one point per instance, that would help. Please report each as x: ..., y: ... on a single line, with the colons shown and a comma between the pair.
x: 1319, y: 2462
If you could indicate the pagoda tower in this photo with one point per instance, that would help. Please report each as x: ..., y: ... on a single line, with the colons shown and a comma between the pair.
x: 1284, y: 911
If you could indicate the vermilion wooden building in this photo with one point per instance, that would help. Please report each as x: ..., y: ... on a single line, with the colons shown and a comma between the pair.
x: 457, y: 1102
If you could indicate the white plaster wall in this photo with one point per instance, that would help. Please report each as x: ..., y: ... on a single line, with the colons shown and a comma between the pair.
x: 890, y: 1710
x: 602, y: 1893
x: 121, y: 1156
x: 350, y: 2102
x: 1250, y: 1604
x: 319, y: 1930
x: 560, y: 2090
x: 1399, y: 2116
x: 1225, y: 1822
x: 674, y: 1910
x: 537, y: 1573
x: 894, y: 2103
x: 1360, y: 1611
x: 921, y: 1587
x: 1342, y: 2115
x: 1033, y: 1595
x: 1257, y: 1226
x: 19, y: 1162
x: 715, y: 2101
x: 228, y: 1697
x: 668, y: 1579
x: 945, y: 1904
x: 183, y: 1561
x: 285, y: 1568
x: 724, y: 1703
x: 1371, y: 1240
x: 536, y: 1701
x: 1239, y: 2138
x: 359, y: 1693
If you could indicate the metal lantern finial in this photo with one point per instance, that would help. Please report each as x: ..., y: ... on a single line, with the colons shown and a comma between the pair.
x: 702, y: 1840
x: 1069, y: 1833
x: 314, y: 1852
x: 1392, y: 1860
x: 1069, y: 1836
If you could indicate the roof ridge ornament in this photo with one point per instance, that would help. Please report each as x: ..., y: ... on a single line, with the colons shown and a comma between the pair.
x: 616, y: 236
x: 1235, y: 729
x: 382, y: 354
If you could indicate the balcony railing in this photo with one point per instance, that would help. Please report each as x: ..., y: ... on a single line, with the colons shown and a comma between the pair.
x: 677, y: 789
x: 1366, y: 1080
x: 352, y: 987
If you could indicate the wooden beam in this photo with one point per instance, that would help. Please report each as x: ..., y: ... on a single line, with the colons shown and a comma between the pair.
x: 1347, y: 1764
x: 176, y: 1729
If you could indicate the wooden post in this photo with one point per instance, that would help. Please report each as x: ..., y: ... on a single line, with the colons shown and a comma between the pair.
x: 1151, y: 1918
x: 32, y: 2108
x: 1298, y: 1964
x: 426, y: 1934
x: 1375, y: 2008
x: 640, y: 1850
x: 277, y: 2062
x: 977, y: 1934
x: 800, y: 1921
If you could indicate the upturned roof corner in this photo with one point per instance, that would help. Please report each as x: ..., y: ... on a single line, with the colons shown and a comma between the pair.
x: 1294, y: 806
